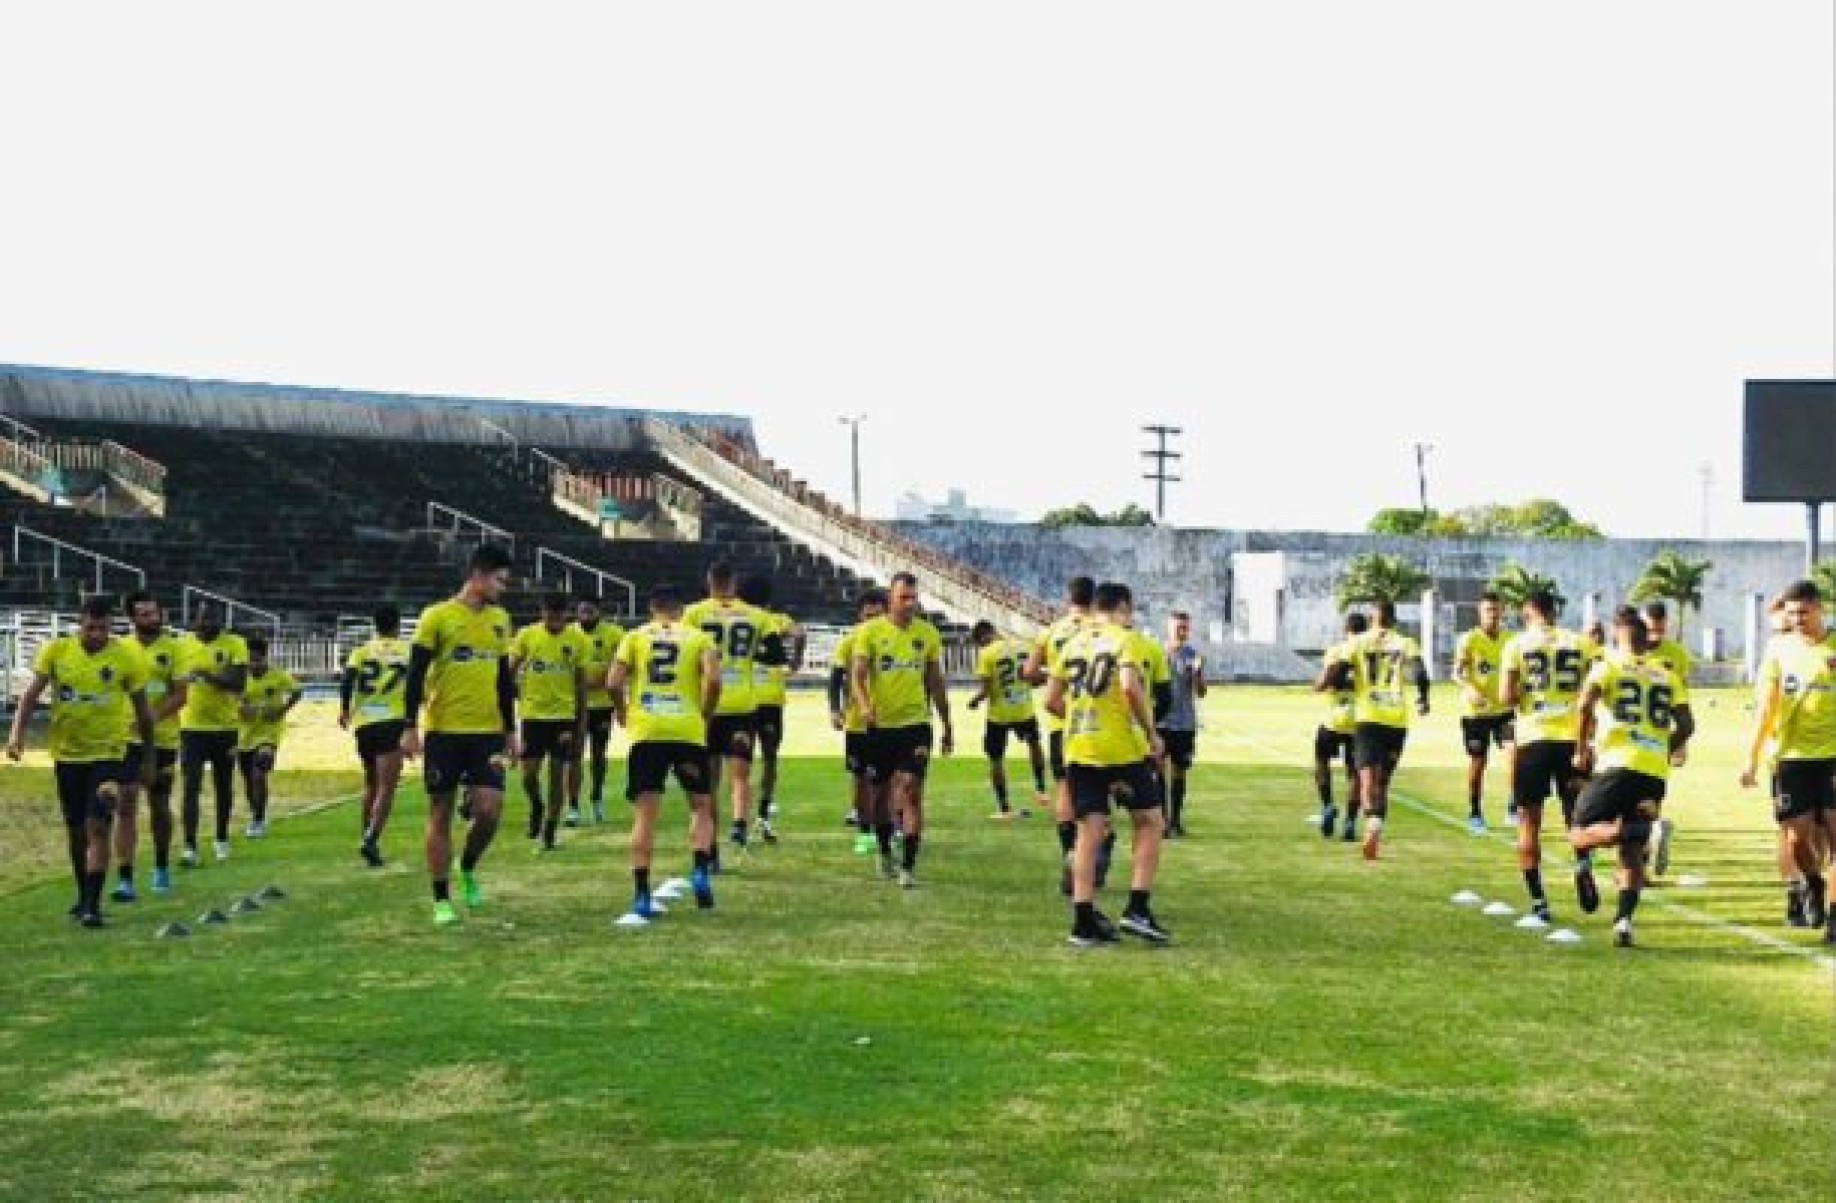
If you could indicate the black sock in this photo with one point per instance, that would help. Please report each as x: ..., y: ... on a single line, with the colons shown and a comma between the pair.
x: 1533, y: 881
x: 884, y: 833
x: 468, y: 860
x: 1086, y: 913
x: 1000, y: 789
x: 1137, y: 902
x: 912, y: 840
x: 703, y: 859
x: 739, y: 831
x: 1039, y: 781
x: 552, y: 827
x: 443, y: 890
x: 1324, y: 786
x: 1473, y: 805
x: 1067, y: 836
x: 92, y: 891
x: 765, y: 805
x: 1179, y: 802
x: 535, y: 814
x: 641, y: 878
x: 126, y: 873
x: 1628, y: 902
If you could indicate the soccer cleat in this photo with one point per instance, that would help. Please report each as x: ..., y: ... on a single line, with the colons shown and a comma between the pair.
x: 888, y: 869
x: 599, y: 812
x: 1476, y: 825
x: 1816, y: 902
x: 1329, y: 818
x: 704, y: 889
x: 372, y: 855
x: 445, y: 913
x: 189, y: 857
x: 1660, y: 853
x: 257, y: 829
x: 547, y: 846
x: 1141, y: 923
x: 573, y: 816
x: 223, y: 850
x: 645, y: 907
x: 1373, y: 843
x: 1586, y: 891
x: 766, y: 833
x: 863, y: 843
x: 91, y: 919
x: 1098, y: 932
x: 76, y: 910
x: 1002, y: 816
x: 162, y: 880
x: 907, y: 880
x: 852, y: 819
x: 1622, y: 934
x: 123, y: 892
x: 468, y: 884
x: 1025, y: 813
x: 1540, y: 909
x: 1351, y: 831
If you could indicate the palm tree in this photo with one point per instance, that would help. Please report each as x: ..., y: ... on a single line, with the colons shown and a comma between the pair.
x: 1824, y: 577
x: 1514, y: 584
x: 1376, y: 577
x: 1676, y: 577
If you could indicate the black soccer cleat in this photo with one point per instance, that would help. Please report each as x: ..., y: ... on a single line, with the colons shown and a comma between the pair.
x: 91, y: 919
x: 1794, y: 908
x: 1622, y: 934
x: 1586, y: 891
x: 1329, y: 818
x: 372, y: 855
x: 1096, y: 933
x: 1143, y: 925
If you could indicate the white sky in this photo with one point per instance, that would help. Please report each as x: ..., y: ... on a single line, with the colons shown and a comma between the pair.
x: 1009, y: 232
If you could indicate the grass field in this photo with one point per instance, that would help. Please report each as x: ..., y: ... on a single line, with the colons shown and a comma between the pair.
x: 1323, y: 1028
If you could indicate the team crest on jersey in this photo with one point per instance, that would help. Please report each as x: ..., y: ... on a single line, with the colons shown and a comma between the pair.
x: 105, y: 674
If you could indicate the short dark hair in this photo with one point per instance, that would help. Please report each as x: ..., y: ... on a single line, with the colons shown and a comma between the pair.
x: 388, y: 618
x: 1805, y: 593
x: 756, y: 591
x: 905, y: 578
x: 665, y: 597
x: 487, y: 558
x: 721, y: 574
x: 589, y: 599
x: 1356, y: 624
x: 258, y: 645
x: 982, y: 631
x: 555, y: 603
x: 1112, y: 596
x: 1543, y: 601
x: 1655, y: 608
x: 1386, y: 612
x: 138, y: 597
x: 98, y: 606
x: 1632, y: 620
x: 1181, y: 615
x: 1081, y: 591
x: 1491, y: 595
x: 870, y: 597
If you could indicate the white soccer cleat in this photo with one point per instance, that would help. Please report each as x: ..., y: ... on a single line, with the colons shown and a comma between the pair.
x: 189, y: 857
x: 223, y: 850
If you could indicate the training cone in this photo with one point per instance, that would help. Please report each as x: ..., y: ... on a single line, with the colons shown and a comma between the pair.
x: 271, y: 894
x: 245, y: 906
x: 212, y: 917
x: 1532, y: 923
x: 1466, y: 898
x: 1692, y: 881
x: 631, y: 919
x: 1499, y: 910
x: 173, y: 931
x: 1563, y: 935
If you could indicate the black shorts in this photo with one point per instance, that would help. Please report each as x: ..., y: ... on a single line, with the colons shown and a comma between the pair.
x: 454, y: 760
x: 1620, y: 794
x: 1055, y: 754
x: 731, y: 735
x: 197, y: 748
x: 261, y: 756
x: 1181, y: 747
x: 1544, y: 768
x: 164, y: 759
x: 768, y: 725
x: 599, y: 728
x: 87, y: 790
x: 994, y: 736
x: 892, y: 750
x: 1377, y: 746
x: 1488, y: 731
x: 651, y: 763
x: 1330, y: 745
x: 377, y: 740
x: 1807, y: 790
x: 550, y: 737
x: 1095, y: 790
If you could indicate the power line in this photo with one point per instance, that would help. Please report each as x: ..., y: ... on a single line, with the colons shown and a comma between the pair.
x: 1160, y: 474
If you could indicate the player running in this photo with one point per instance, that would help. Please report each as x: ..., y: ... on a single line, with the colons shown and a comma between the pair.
x: 845, y: 717
x: 898, y: 678
x: 1000, y: 668
x: 166, y: 691
x: 268, y: 697
x: 372, y: 701
x: 1335, y: 738
x: 1644, y: 725
x: 1080, y: 592
x: 1796, y: 696
x: 1544, y: 669
x: 549, y: 661
x: 460, y: 664
x: 1485, y: 718
x: 1676, y: 658
x: 665, y: 685
x: 1099, y: 686
x: 1380, y: 662
x: 1179, y: 725
x: 98, y: 681
x: 604, y: 637
x: 735, y: 628
x: 781, y: 646
x: 215, y: 664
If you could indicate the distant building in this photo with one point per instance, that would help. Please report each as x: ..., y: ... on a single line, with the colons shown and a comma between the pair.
x: 913, y: 507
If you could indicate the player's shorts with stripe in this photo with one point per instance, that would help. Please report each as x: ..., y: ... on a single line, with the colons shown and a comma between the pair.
x: 732, y: 735
x: 546, y: 737
x: 87, y: 789
x: 653, y: 762
x: 455, y: 760
x: 892, y: 750
x: 1096, y: 789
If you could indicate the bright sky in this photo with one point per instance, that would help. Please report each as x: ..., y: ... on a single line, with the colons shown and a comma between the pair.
x: 1308, y: 231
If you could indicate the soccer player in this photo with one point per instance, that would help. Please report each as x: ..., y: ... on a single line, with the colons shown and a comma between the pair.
x: 215, y: 664
x: 735, y: 628
x: 166, y: 691
x: 98, y: 679
x: 1000, y: 667
x: 1381, y: 662
x: 1099, y: 685
x: 1179, y: 726
x: 1644, y: 725
x: 846, y: 718
x: 1675, y: 657
x: 460, y: 664
x: 781, y: 646
x: 372, y: 703
x: 549, y: 661
x: 604, y: 637
x: 898, y: 677
x: 1797, y: 713
x: 1485, y: 719
x: 665, y: 685
x: 1543, y: 670
x: 1080, y: 593
x: 269, y: 696
x: 1334, y: 740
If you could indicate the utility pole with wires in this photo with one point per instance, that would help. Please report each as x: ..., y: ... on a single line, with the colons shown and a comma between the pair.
x: 1160, y: 474
x: 1421, y: 472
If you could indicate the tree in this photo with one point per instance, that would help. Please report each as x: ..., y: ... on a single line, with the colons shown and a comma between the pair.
x: 1375, y: 577
x: 1514, y: 584
x: 1539, y: 518
x: 1675, y: 577
x: 1130, y: 515
x: 1824, y: 577
x: 1402, y: 521
x: 1083, y: 514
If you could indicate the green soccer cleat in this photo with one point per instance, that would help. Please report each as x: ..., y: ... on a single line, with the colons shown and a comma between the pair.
x: 445, y: 914
x: 468, y: 884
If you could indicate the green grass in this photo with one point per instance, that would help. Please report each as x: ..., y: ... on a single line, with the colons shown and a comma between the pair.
x: 1324, y: 1029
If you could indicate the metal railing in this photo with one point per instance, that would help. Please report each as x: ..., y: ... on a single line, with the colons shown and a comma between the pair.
x: 443, y: 517
x: 19, y: 430
x: 60, y: 550
x: 230, y: 608
x: 545, y: 556
x: 25, y: 460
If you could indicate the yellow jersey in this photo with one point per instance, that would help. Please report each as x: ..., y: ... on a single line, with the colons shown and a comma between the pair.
x: 736, y: 629
x: 1378, y: 659
x: 1638, y: 701
x: 1050, y: 644
x: 772, y: 672
x: 1157, y: 669
x: 852, y: 723
x: 548, y: 665
x: 380, y: 692
x: 1674, y: 656
x: 999, y: 667
x: 90, y: 694
x: 1551, y: 666
x: 1804, y: 673
x: 164, y: 658
x: 265, y: 695
x: 208, y: 708
x: 897, y: 658
x: 1341, y: 704
x: 604, y: 639
x: 467, y: 646
x: 1479, y: 662
x: 663, y: 683
x: 1100, y: 728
